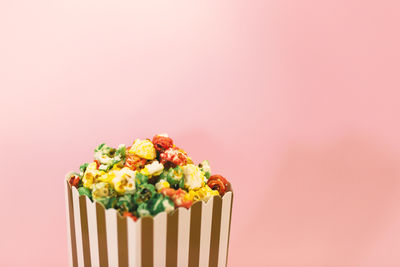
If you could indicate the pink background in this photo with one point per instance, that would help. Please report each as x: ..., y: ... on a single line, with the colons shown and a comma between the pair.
x: 296, y: 102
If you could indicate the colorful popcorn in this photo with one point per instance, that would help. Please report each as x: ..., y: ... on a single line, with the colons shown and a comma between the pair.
x: 100, y: 190
x: 204, y: 193
x: 91, y: 175
x: 134, y: 162
x: 205, y: 168
x: 146, y: 178
x: 194, y: 177
x: 219, y: 183
x: 161, y: 184
x: 144, y: 149
x: 174, y: 156
x: 107, y: 156
x: 153, y: 169
x: 174, y: 177
x: 162, y: 142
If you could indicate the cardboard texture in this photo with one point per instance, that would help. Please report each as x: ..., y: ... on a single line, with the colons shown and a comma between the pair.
x: 195, y: 237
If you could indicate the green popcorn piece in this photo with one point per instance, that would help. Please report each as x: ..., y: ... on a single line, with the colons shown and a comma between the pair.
x: 164, y: 175
x: 108, y: 156
x: 112, y: 202
x: 143, y: 210
x: 83, y: 191
x: 121, y: 152
x: 119, y: 156
x: 125, y: 203
x: 159, y: 203
x: 103, y: 200
x: 100, y: 147
x: 174, y: 177
x: 112, y: 191
x: 83, y: 168
x: 168, y: 204
x: 108, y: 202
x: 141, y: 179
x: 155, y: 204
x: 144, y: 193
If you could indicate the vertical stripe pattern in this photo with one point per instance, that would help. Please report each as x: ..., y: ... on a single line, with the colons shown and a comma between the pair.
x: 112, y: 237
x: 224, y: 233
x: 195, y: 237
x: 102, y: 235
x: 147, y: 242
x: 85, y: 232
x: 78, y: 228
x: 183, y: 237
x: 229, y: 232
x: 172, y: 239
x: 160, y: 239
x: 133, y: 243
x: 71, y: 226
x: 215, y: 232
x: 122, y: 241
x: 93, y: 238
x: 205, y: 233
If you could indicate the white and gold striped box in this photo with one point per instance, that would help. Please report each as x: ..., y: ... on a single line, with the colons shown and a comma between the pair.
x: 198, y: 236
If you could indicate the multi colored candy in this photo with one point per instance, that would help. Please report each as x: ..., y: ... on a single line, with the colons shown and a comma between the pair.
x: 174, y: 177
x: 146, y: 178
x: 174, y: 156
x: 162, y: 142
x: 194, y: 177
x: 219, y: 183
x: 107, y: 156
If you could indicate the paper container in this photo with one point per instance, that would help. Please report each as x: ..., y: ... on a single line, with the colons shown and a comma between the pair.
x: 198, y: 236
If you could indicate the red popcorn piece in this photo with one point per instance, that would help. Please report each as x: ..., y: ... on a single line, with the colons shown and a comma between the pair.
x: 177, y: 196
x: 74, y: 180
x: 219, y: 183
x: 168, y: 192
x: 162, y: 143
x: 174, y: 155
x: 134, y: 162
x: 179, y: 199
x: 97, y: 163
x: 130, y: 215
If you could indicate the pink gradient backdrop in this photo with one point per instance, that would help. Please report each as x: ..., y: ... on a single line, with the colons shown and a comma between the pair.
x: 296, y: 101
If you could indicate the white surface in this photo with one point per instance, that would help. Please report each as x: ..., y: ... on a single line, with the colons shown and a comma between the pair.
x: 112, y: 237
x: 205, y: 235
x: 223, y: 241
x: 132, y: 239
x: 92, y: 226
x: 183, y: 237
x: 78, y: 228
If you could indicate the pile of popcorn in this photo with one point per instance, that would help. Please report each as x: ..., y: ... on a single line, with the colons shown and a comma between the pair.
x: 147, y: 178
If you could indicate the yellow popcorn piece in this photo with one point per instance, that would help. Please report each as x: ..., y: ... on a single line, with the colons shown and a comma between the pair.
x: 91, y: 175
x: 108, y: 176
x: 116, y: 167
x: 144, y: 149
x: 204, y: 193
x: 190, y: 195
x: 124, y: 181
x: 101, y: 189
x: 153, y: 169
x: 162, y: 184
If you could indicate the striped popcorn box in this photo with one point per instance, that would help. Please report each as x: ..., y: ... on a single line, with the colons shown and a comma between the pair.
x: 198, y: 236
